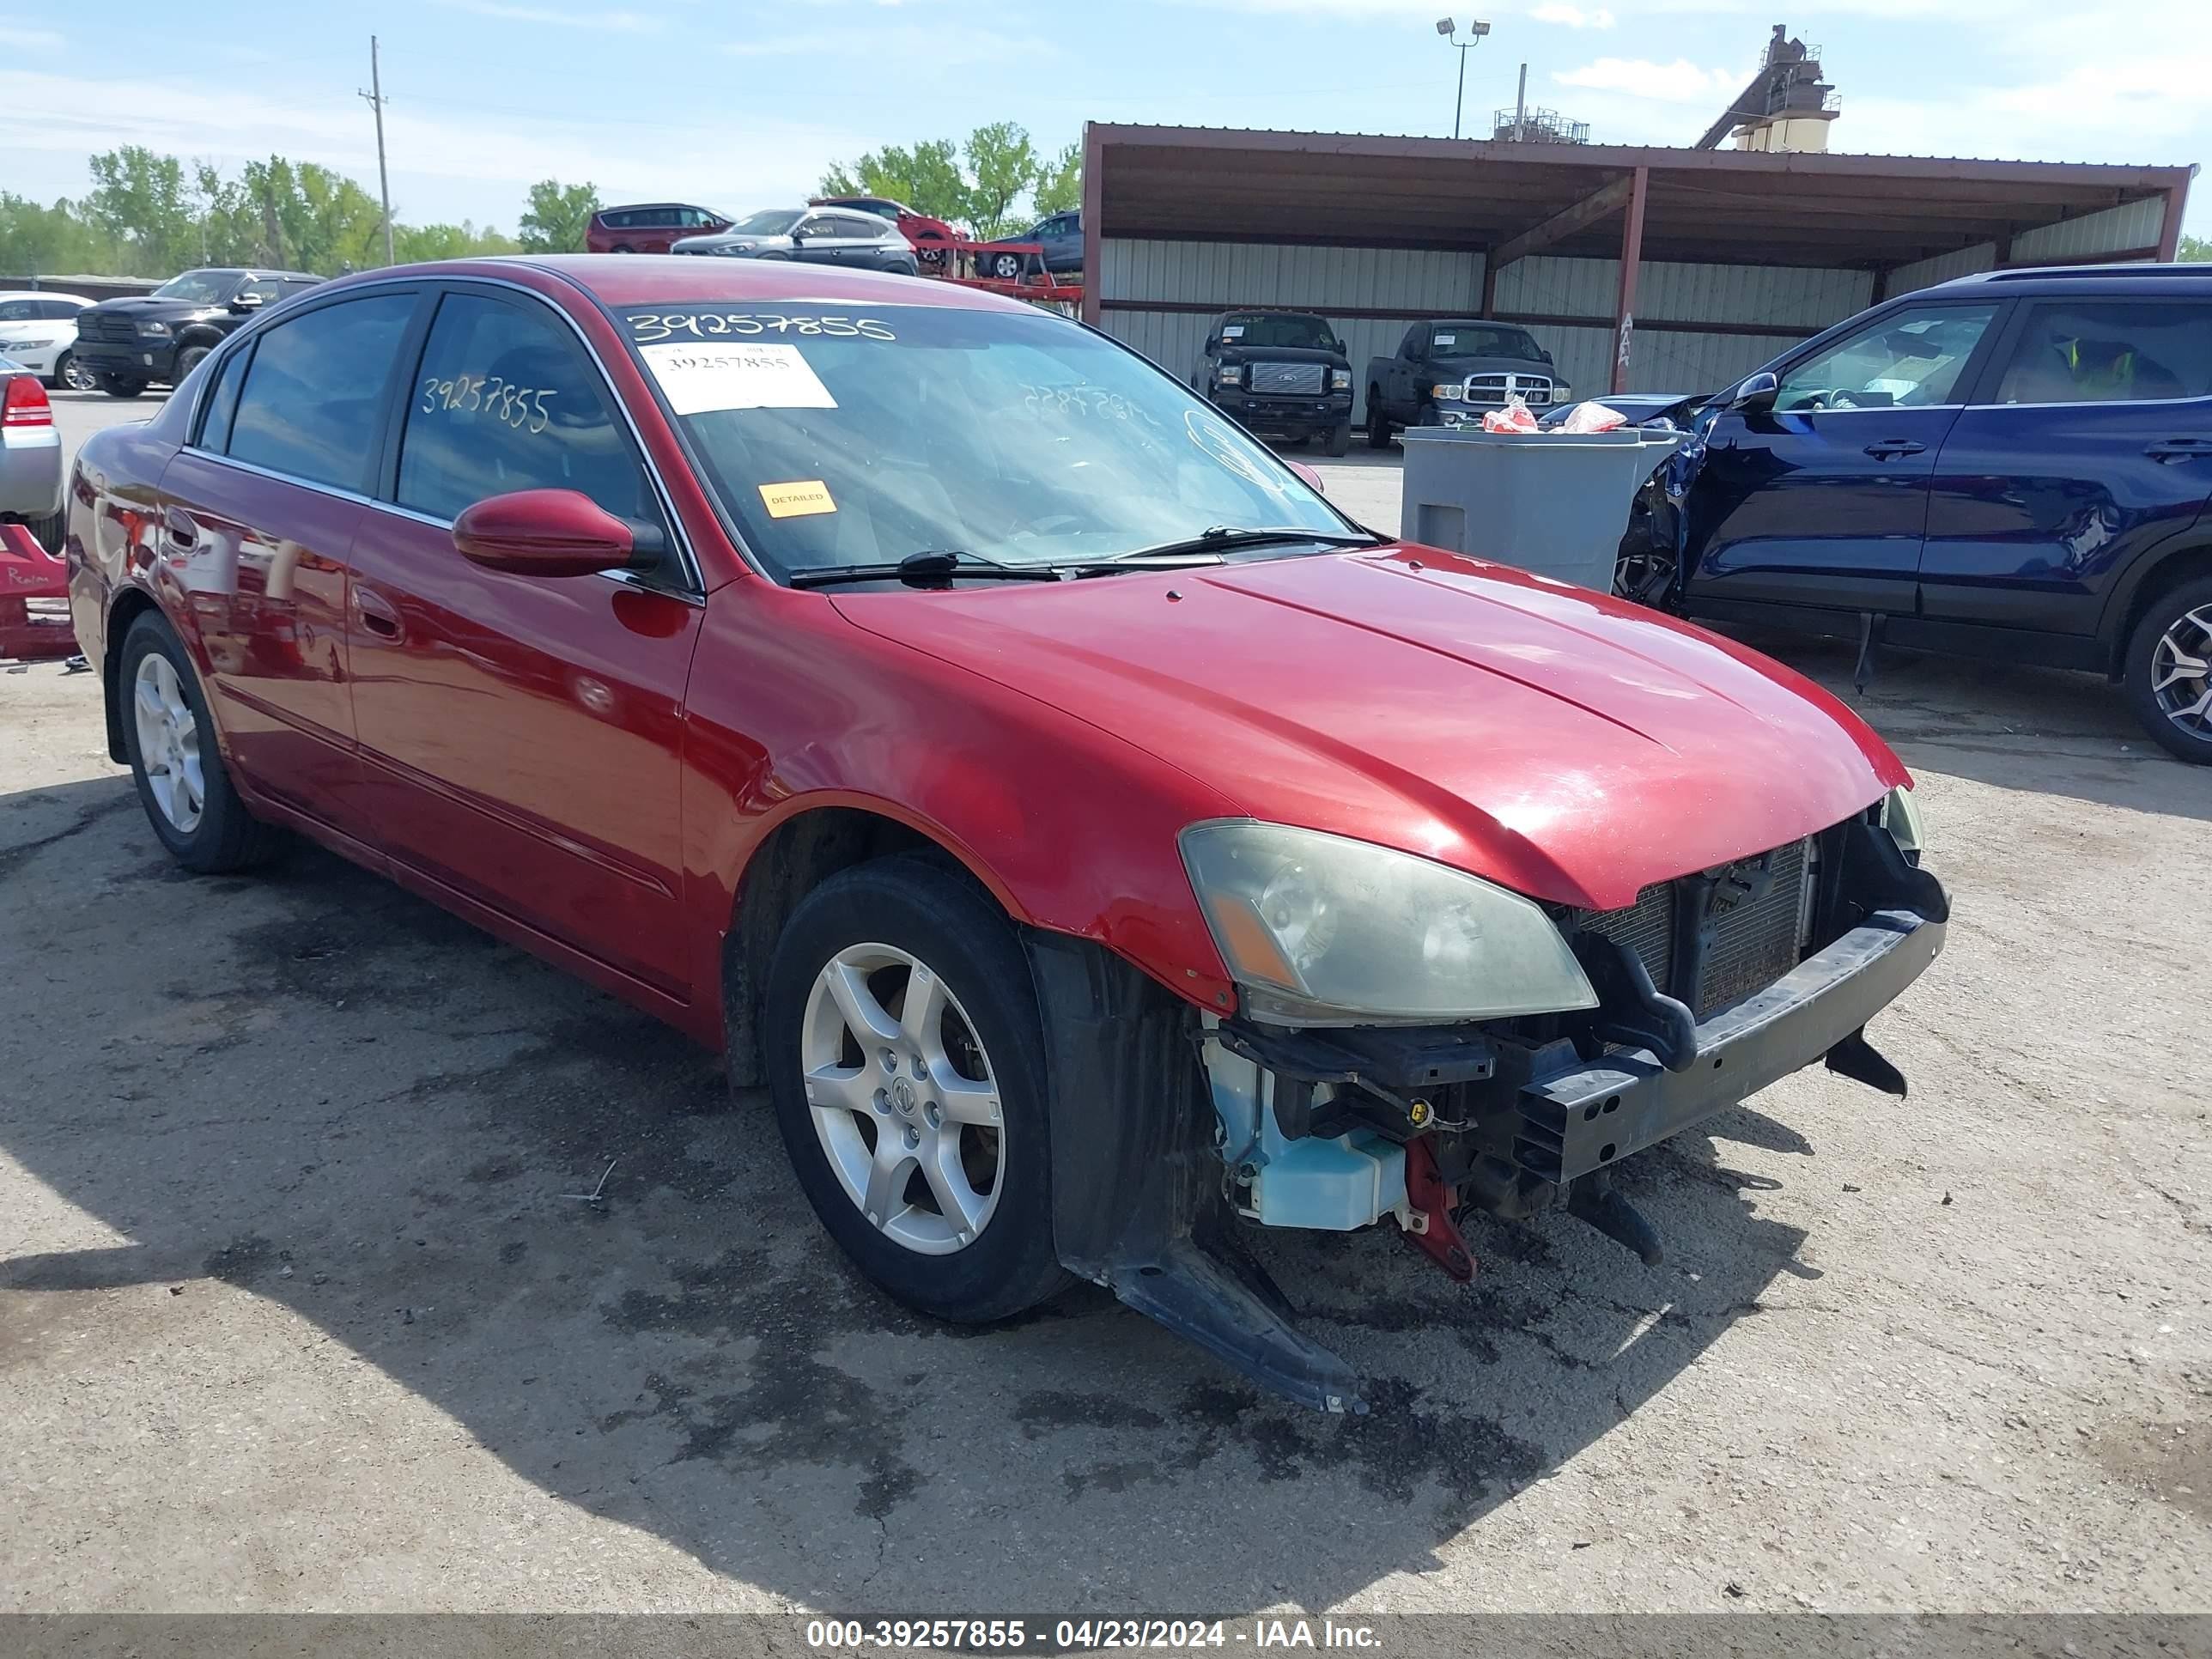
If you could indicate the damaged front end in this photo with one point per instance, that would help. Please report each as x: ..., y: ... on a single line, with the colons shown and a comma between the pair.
x: 1170, y: 1125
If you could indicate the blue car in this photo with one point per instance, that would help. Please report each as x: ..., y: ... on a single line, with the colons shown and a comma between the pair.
x: 2013, y: 466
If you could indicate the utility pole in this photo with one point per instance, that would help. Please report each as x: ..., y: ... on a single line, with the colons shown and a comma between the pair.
x: 376, y: 101
x: 1521, y: 104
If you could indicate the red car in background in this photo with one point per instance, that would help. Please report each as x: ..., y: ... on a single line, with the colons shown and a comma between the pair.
x: 648, y: 227
x: 929, y: 238
x: 1095, y: 843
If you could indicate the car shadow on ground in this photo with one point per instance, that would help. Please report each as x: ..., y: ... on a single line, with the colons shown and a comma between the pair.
x: 316, y: 1088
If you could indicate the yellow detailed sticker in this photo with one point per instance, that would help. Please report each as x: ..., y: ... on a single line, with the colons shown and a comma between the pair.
x: 796, y: 501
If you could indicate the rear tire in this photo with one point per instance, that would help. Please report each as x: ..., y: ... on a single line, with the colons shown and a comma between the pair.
x: 48, y: 531
x: 68, y: 372
x: 902, y: 1136
x: 2166, y: 674
x: 1378, y: 423
x: 1006, y: 266
x: 1340, y: 439
x: 211, y: 831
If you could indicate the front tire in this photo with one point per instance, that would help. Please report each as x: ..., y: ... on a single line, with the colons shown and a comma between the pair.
x: 190, y: 359
x: 122, y: 386
x: 1340, y: 439
x: 906, y: 1065
x: 2167, y: 673
x: 175, y: 761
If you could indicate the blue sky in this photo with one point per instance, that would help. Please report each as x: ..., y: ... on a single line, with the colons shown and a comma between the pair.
x: 740, y: 106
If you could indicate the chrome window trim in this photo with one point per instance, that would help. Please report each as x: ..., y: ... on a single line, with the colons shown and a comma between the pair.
x: 694, y: 585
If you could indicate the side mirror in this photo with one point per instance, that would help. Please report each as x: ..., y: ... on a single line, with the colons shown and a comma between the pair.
x: 247, y: 302
x: 1545, y: 354
x: 1756, y: 394
x: 548, y: 532
x: 1311, y: 476
x: 1213, y: 343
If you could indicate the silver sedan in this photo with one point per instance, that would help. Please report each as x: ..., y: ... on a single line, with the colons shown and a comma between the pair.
x: 30, y: 456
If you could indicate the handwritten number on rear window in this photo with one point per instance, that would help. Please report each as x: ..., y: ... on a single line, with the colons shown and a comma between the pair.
x: 648, y: 327
x: 522, y: 407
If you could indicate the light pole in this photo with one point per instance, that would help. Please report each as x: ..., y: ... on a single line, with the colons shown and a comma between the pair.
x: 1476, y: 29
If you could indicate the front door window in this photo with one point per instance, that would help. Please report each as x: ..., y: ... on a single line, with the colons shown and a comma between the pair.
x: 1913, y: 358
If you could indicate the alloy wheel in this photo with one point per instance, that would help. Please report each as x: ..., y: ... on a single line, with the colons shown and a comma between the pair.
x: 903, y: 1099
x: 168, y: 742
x: 77, y: 378
x: 2181, y: 671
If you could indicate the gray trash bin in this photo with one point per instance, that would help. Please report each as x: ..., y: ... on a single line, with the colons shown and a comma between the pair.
x: 1553, y: 502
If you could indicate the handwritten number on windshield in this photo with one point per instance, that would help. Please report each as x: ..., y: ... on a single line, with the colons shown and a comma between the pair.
x: 646, y: 327
x: 522, y: 407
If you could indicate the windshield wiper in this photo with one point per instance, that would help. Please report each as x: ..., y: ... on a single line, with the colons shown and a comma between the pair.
x: 925, y: 569
x: 1223, y: 537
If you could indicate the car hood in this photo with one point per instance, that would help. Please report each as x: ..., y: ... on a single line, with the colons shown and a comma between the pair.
x: 146, y: 308
x: 721, y: 244
x: 1236, y: 351
x: 1458, y: 367
x: 1568, y: 745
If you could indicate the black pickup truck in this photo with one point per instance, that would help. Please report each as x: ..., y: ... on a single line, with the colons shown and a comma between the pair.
x: 1283, y: 374
x: 1455, y: 369
x: 126, y: 343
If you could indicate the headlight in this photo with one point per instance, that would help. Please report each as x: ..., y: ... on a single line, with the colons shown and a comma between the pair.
x: 1562, y: 393
x: 23, y: 345
x: 1228, y: 375
x: 1319, y: 930
x: 1455, y: 389
x: 1339, y: 380
x: 154, y: 330
x: 1901, y: 815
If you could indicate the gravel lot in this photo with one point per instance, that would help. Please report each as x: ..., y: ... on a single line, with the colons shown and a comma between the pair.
x: 297, y: 1309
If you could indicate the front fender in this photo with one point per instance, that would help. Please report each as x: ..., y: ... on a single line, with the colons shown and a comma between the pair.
x: 1072, y: 827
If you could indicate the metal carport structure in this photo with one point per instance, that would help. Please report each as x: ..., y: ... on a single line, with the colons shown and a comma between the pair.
x: 1639, y: 268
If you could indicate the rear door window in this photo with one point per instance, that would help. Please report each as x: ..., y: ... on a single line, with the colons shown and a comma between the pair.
x: 2110, y: 351
x: 312, y: 403
x: 503, y: 401
x: 223, y: 403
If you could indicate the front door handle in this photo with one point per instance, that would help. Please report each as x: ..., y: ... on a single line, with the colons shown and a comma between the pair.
x: 2178, y: 449
x: 378, y: 614
x: 1889, y: 447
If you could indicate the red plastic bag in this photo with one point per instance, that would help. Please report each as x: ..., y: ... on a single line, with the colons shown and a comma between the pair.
x: 1592, y: 417
x: 1514, y: 417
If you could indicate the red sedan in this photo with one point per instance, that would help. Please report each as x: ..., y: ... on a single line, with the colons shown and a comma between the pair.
x: 1094, y: 841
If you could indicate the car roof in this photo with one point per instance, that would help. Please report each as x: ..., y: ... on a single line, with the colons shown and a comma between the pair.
x: 640, y: 279
x: 2103, y: 281
x: 41, y: 294
x: 633, y: 207
x: 1273, y: 311
x: 1470, y: 322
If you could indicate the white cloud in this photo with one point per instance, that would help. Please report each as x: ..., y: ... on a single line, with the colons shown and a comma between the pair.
x: 911, y: 45
x: 1572, y: 17
x: 610, y: 21
x: 1681, y: 82
x: 30, y: 39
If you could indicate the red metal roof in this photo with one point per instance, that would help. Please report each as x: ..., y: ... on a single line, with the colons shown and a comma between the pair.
x: 1723, y: 205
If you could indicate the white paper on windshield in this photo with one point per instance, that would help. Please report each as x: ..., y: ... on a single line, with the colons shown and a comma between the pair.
x: 1233, y: 331
x: 1443, y: 340
x: 707, y: 375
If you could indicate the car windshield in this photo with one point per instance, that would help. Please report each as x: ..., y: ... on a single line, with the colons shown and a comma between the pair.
x: 771, y: 222
x: 1469, y: 340
x: 862, y: 437
x: 205, y: 288
x: 1304, y: 333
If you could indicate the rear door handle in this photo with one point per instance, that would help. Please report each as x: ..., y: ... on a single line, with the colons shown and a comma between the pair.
x: 2178, y: 449
x: 1889, y: 447
x: 378, y: 614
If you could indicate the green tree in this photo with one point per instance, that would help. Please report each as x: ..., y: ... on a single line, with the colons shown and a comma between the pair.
x: 461, y: 242
x: 141, y: 200
x: 1060, y: 186
x: 557, y: 215
x: 926, y: 177
x: 2195, y: 248
x: 36, y: 240
x: 1003, y: 168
